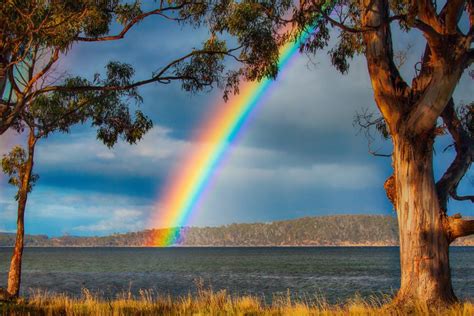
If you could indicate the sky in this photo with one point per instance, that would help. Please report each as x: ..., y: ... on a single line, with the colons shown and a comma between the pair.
x: 299, y: 155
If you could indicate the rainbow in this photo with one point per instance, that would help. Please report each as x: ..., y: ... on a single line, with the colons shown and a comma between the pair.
x: 217, y: 133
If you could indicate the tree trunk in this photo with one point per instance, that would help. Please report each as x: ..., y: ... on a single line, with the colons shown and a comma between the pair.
x: 424, y: 242
x: 14, y: 275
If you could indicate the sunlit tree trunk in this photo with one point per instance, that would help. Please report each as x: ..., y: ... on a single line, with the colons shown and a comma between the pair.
x: 14, y: 275
x: 424, y: 238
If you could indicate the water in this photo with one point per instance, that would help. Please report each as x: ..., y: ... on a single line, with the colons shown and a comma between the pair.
x: 336, y: 273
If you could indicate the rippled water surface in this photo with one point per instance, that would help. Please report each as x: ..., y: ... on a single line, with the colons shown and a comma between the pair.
x: 335, y: 273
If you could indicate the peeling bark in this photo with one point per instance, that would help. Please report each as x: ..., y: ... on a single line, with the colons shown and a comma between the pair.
x: 424, y: 241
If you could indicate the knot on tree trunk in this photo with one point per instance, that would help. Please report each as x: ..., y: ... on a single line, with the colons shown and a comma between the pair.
x: 390, y: 189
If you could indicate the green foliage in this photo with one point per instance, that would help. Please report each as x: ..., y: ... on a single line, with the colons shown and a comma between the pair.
x: 203, y: 70
x: 54, y: 23
x: 261, y: 26
x: 14, y: 166
x: 127, y: 12
x: 466, y: 114
x: 349, y: 45
x: 107, y: 110
x: 254, y: 25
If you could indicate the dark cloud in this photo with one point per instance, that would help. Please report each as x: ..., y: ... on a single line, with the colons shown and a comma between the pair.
x: 298, y: 155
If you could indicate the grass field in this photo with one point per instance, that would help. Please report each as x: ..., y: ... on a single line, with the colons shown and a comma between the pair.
x: 207, y: 302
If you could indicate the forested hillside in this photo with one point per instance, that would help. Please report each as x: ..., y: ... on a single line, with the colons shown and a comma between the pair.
x: 340, y: 230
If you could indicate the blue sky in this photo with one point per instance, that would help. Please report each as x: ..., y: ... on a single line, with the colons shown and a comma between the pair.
x: 299, y: 155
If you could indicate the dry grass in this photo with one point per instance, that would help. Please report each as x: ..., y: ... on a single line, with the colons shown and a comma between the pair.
x: 207, y: 302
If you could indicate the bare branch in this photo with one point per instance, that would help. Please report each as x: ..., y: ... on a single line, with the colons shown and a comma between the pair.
x: 46, y: 68
x: 377, y: 154
x: 463, y: 197
x: 366, y: 121
x: 401, y: 56
x: 464, y: 146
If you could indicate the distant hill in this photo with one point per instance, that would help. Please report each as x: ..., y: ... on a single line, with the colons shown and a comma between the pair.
x: 340, y: 230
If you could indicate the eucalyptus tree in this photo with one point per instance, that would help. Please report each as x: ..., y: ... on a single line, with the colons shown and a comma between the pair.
x: 410, y: 110
x: 35, y: 35
x: 107, y: 111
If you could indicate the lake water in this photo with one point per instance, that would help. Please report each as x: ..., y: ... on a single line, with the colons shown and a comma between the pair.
x: 336, y: 273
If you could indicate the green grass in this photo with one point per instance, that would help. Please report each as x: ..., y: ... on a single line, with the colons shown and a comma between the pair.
x: 207, y: 302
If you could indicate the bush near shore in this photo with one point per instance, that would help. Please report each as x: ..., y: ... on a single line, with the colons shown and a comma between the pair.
x: 207, y: 302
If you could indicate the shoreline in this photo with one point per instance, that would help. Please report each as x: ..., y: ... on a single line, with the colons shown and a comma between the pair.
x: 230, y: 247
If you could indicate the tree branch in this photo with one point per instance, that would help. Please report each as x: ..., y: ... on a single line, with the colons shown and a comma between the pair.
x: 470, y: 57
x: 427, y: 14
x: 463, y: 197
x: 350, y: 29
x: 377, y: 154
x: 450, y: 14
x: 159, y: 77
x: 431, y: 35
x: 130, y: 24
x: 46, y: 68
x: 458, y: 227
x: 464, y: 146
x: 433, y: 99
x: 470, y: 10
x: 387, y: 82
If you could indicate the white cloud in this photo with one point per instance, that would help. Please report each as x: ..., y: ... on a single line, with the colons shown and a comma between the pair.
x: 157, y: 150
x: 44, y: 203
x: 318, y: 98
x: 335, y: 176
x: 106, y: 155
x: 118, y: 220
x: 8, y: 140
x: 77, y: 211
x: 8, y: 209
